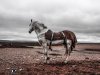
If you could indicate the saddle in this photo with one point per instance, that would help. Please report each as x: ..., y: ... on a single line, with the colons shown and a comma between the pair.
x: 50, y: 35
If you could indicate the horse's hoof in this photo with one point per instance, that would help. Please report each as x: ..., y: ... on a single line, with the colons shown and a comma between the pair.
x: 65, y: 62
x: 50, y: 49
x: 65, y: 54
x: 48, y: 58
x: 46, y: 62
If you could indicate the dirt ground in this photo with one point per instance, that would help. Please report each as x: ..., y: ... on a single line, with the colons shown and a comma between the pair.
x: 84, y: 60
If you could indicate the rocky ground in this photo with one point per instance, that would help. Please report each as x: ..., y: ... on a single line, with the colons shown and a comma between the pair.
x: 84, y: 60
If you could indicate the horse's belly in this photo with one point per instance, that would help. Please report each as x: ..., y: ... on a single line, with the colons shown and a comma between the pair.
x: 58, y: 38
x: 56, y: 41
x: 60, y: 42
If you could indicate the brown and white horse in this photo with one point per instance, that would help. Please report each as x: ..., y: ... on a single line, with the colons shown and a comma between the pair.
x: 43, y: 35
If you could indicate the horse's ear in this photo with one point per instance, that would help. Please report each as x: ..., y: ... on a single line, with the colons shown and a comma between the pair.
x: 31, y: 20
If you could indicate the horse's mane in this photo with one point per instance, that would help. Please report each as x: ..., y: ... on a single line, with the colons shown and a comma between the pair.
x: 44, y: 25
x: 41, y: 24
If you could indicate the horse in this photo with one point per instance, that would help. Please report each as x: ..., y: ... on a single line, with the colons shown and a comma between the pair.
x: 58, y: 36
x: 43, y: 36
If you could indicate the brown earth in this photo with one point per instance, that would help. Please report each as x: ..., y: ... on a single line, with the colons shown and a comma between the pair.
x: 84, y: 60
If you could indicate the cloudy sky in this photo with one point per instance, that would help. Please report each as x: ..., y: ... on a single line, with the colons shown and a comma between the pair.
x: 79, y: 16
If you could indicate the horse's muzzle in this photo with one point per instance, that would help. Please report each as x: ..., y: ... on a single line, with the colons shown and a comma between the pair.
x: 30, y: 32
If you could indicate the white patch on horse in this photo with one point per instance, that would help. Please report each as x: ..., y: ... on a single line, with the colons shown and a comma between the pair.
x: 40, y: 31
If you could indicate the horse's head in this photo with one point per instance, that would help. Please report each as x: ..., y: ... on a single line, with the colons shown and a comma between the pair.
x: 32, y: 26
x: 35, y: 25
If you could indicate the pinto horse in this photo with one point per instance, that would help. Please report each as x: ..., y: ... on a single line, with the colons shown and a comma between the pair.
x: 43, y: 35
x: 52, y: 36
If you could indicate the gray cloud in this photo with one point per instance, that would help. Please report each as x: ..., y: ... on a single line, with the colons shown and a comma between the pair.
x: 80, y: 16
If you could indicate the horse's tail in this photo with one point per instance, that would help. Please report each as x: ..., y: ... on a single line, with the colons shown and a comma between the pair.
x: 74, y: 40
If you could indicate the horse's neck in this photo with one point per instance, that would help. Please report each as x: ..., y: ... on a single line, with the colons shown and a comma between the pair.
x: 41, y: 31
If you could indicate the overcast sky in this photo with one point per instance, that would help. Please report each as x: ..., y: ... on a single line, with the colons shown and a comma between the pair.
x: 80, y: 16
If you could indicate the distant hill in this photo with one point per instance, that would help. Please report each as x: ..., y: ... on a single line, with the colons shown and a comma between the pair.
x: 17, y: 43
x: 23, y: 43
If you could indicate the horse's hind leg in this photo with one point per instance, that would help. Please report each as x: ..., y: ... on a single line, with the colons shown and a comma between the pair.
x: 65, y: 45
x: 66, y: 52
x: 50, y: 45
x: 70, y: 47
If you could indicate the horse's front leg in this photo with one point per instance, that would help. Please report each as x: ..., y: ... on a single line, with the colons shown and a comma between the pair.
x: 50, y: 45
x: 44, y: 44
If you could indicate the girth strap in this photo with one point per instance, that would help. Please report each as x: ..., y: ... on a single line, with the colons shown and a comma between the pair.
x: 52, y: 36
x: 63, y: 33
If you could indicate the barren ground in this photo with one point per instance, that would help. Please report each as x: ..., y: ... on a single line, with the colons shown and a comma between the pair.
x: 84, y: 60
